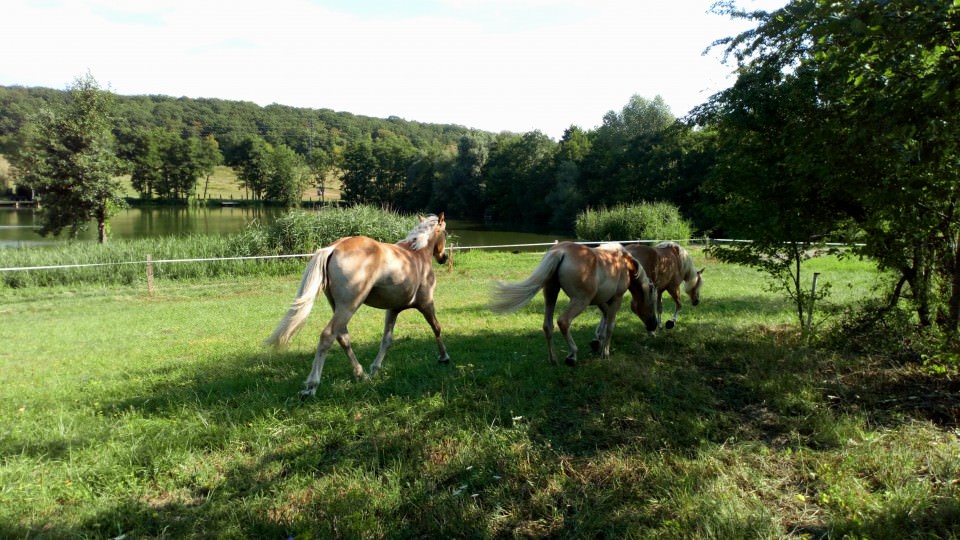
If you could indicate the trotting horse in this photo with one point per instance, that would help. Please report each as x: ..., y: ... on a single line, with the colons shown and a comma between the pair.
x: 589, y: 276
x: 357, y: 270
x: 669, y: 265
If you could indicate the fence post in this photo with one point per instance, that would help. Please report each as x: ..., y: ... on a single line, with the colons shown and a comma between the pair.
x: 450, y: 259
x: 150, y: 275
x: 813, y: 298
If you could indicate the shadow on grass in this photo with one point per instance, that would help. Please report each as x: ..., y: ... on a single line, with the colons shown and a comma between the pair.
x: 445, y: 450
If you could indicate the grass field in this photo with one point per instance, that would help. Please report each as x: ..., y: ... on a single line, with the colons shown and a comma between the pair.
x: 129, y: 416
x: 223, y: 185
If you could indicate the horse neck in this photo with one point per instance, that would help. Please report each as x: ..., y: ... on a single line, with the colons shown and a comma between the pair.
x: 425, y: 253
x: 688, y: 272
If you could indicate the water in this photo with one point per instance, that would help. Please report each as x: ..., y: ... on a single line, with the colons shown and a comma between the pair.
x: 18, y: 226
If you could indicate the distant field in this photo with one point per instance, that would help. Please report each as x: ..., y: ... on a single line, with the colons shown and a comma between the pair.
x: 223, y: 185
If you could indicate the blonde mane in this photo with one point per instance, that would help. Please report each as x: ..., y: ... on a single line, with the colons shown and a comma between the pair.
x: 688, y: 271
x: 420, y: 236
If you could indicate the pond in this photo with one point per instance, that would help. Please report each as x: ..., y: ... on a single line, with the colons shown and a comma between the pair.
x: 18, y: 226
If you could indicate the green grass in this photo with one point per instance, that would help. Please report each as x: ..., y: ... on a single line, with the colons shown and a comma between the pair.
x: 163, y: 417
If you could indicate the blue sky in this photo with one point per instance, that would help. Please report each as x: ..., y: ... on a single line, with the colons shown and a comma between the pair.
x: 497, y: 65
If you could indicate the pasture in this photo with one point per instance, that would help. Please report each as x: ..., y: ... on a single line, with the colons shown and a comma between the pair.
x: 124, y: 415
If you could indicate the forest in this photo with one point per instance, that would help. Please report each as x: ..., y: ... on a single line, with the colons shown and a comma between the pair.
x: 843, y: 125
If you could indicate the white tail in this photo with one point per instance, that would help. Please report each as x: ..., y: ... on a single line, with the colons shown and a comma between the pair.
x: 310, y: 286
x: 512, y: 296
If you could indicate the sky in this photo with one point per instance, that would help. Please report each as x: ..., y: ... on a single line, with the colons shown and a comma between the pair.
x: 494, y: 65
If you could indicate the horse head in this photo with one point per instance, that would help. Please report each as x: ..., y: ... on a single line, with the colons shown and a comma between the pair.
x: 694, y: 291
x: 643, y: 294
x: 439, y: 238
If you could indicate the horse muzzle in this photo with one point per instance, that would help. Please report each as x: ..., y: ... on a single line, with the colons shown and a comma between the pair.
x: 651, y: 323
x: 443, y: 258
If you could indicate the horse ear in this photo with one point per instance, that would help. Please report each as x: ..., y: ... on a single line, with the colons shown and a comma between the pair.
x: 441, y: 218
x: 700, y: 271
x: 422, y: 219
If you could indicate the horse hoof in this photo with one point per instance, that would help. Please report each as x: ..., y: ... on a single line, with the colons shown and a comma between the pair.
x: 595, y: 346
x: 443, y: 359
x: 571, y: 361
x: 308, y: 393
x: 670, y: 325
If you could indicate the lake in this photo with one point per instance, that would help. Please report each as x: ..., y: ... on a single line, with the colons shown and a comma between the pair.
x: 18, y: 226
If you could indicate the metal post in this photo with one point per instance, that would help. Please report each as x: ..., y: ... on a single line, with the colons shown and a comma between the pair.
x: 813, y: 298
x: 150, y: 275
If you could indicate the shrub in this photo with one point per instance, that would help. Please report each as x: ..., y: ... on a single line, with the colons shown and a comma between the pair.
x: 644, y: 221
x: 306, y: 231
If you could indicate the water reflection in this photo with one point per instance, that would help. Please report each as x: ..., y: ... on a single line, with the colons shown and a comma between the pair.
x: 18, y: 226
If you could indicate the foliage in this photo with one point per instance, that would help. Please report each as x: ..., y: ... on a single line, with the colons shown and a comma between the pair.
x: 868, y: 89
x: 307, y: 231
x: 68, y: 159
x: 645, y: 221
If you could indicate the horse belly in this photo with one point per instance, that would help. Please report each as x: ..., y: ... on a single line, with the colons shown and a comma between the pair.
x: 608, y: 289
x: 395, y: 297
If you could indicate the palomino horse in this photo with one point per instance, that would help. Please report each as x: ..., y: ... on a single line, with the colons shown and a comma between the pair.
x: 669, y: 265
x: 590, y: 276
x: 358, y: 270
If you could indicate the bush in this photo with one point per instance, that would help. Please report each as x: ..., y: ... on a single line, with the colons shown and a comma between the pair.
x: 644, y: 221
x: 305, y: 231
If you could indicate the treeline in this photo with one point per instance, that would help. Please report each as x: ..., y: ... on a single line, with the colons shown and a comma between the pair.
x: 171, y: 146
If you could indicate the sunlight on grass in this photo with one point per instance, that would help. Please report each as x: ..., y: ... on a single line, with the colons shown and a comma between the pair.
x: 164, y: 416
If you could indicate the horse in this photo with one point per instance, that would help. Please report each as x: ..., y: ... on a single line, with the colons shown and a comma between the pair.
x: 358, y: 270
x: 669, y: 265
x: 589, y: 276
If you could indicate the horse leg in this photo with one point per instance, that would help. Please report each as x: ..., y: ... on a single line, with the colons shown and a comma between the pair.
x: 659, y: 309
x: 550, y: 293
x: 675, y: 294
x: 389, y: 321
x: 313, y: 380
x: 598, y: 334
x: 564, y: 321
x: 609, y: 311
x: 430, y: 314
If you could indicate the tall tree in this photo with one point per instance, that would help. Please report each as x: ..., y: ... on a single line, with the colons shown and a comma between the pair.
x: 359, y: 172
x: 71, y: 162
x: 287, y: 176
x: 251, y: 163
x: 851, y: 110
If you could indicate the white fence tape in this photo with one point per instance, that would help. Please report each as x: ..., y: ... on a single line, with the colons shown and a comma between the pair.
x: 452, y: 247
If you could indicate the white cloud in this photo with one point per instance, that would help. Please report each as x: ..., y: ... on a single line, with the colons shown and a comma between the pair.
x: 497, y: 65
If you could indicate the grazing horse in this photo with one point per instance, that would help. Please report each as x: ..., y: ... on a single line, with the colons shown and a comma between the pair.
x: 589, y: 276
x: 669, y: 265
x: 357, y: 270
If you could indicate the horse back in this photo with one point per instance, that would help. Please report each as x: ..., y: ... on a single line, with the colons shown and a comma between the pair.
x: 661, y: 263
x: 596, y: 275
x: 386, y: 275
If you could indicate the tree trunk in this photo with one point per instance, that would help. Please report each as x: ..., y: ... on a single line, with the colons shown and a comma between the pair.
x: 953, y: 322
x: 102, y: 231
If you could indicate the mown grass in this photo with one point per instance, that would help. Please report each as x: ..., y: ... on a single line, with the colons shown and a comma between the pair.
x: 163, y: 417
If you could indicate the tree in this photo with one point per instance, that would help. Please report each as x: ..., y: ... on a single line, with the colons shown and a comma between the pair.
x: 612, y: 171
x: 849, y: 111
x: 251, y: 163
x: 359, y: 172
x: 208, y: 157
x: 287, y: 176
x: 71, y: 163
